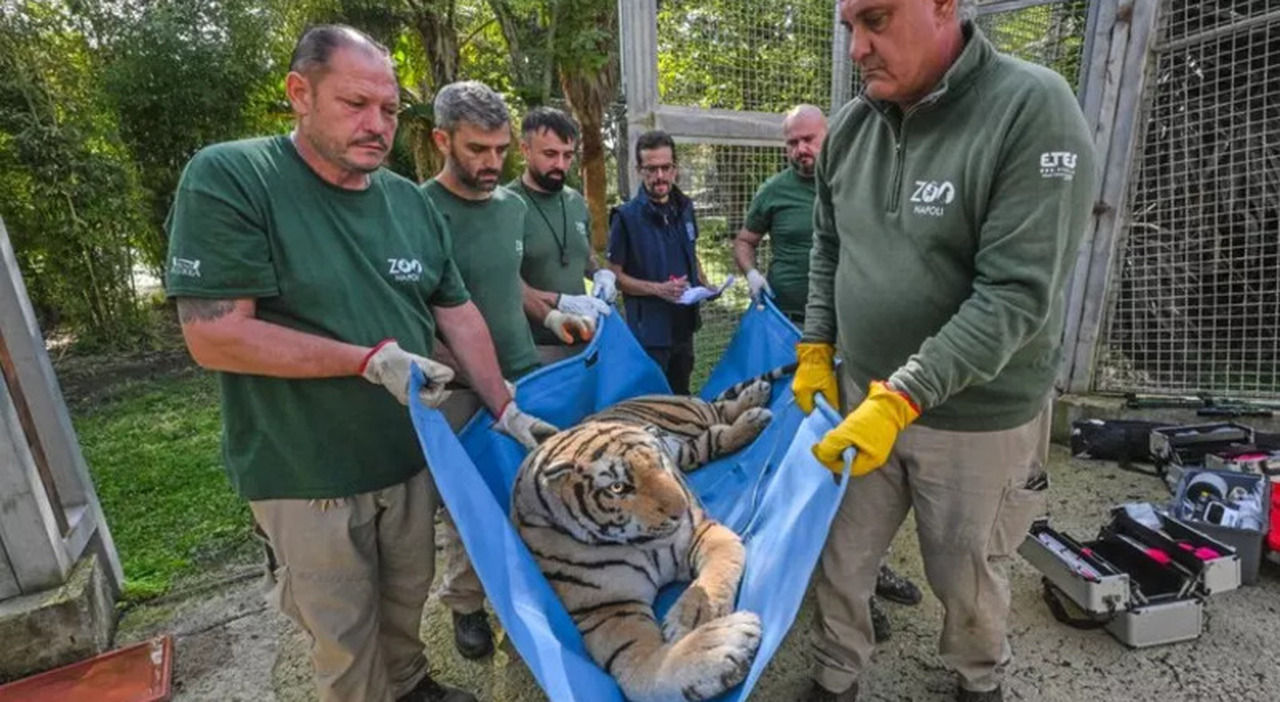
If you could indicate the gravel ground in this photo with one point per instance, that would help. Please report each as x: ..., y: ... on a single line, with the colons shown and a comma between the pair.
x: 229, y: 646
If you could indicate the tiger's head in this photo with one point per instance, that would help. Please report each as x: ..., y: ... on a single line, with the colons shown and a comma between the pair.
x: 607, y: 482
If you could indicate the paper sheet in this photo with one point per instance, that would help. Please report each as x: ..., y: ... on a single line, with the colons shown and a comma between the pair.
x: 693, y: 296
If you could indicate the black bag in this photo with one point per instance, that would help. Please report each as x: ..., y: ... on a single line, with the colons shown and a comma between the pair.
x: 1121, y: 440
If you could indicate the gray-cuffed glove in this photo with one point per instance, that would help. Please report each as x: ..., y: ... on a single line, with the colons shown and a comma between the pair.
x: 583, y: 306
x: 524, y: 428
x: 388, y: 365
x: 605, y: 285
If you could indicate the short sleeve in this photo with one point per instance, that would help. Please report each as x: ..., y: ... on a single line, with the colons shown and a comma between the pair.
x: 218, y: 242
x: 759, y: 214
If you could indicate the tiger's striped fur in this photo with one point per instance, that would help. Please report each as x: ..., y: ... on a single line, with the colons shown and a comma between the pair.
x: 695, y: 431
x: 610, y: 520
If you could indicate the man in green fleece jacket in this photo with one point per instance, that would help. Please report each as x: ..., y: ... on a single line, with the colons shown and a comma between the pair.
x: 951, y: 198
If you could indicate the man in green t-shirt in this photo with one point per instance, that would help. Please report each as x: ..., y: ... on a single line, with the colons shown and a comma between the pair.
x: 473, y: 133
x: 557, y: 233
x: 783, y: 209
x: 314, y: 281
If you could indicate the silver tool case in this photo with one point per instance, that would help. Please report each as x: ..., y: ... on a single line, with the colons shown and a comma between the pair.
x: 1120, y: 586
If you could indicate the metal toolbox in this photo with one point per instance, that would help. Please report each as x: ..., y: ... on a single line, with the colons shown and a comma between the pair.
x: 1144, y: 584
x: 1177, y: 447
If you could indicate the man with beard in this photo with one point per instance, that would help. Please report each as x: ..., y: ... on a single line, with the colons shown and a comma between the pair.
x: 557, y: 234
x: 783, y: 208
x: 952, y: 196
x: 486, y: 223
x: 313, y: 280
x: 653, y: 251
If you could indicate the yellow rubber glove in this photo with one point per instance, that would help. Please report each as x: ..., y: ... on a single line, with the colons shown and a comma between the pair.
x: 815, y: 373
x: 872, y: 428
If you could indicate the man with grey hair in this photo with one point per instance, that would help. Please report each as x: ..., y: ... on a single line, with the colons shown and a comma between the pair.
x: 315, y: 281
x: 951, y: 198
x: 782, y: 208
x: 487, y: 223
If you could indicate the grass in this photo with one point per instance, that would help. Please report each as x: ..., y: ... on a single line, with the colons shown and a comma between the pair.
x: 154, y: 451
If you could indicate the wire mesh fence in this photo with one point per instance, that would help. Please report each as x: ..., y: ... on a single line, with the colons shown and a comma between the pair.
x: 759, y: 55
x: 721, y: 181
x: 1195, y: 303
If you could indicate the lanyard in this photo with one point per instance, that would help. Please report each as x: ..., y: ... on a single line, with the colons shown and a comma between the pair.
x: 562, y: 244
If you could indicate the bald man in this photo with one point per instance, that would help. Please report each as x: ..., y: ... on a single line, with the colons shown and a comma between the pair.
x: 783, y: 209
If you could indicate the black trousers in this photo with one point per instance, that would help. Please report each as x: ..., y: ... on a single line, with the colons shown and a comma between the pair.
x: 676, y: 361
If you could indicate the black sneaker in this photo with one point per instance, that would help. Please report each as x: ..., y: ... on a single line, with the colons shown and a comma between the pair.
x: 963, y: 695
x: 818, y: 693
x: 880, y: 622
x: 428, y: 690
x: 472, y: 635
x: 895, y: 588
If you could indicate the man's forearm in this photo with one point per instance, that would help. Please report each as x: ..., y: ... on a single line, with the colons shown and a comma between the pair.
x: 634, y: 286
x: 744, y: 250
x: 468, y: 339
x: 537, y: 303
x: 593, y: 264
x: 223, y: 335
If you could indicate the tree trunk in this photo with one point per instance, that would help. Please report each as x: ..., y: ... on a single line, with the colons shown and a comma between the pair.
x: 589, y: 80
x: 435, y: 22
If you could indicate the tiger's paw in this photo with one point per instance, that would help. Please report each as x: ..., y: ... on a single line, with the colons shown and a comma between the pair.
x: 695, y: 607
x: 717, y: 655
x: 756, y: 394
x: 755, y: 419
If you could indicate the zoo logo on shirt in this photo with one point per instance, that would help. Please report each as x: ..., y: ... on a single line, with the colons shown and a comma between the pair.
x: 404, y: 270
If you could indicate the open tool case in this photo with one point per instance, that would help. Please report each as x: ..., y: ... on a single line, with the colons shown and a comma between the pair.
x: 1144, y: 584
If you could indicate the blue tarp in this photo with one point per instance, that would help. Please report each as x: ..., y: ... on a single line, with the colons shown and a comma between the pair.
x: 773, y: 493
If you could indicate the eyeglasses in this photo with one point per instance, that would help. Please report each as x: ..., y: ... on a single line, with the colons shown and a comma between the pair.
x: 659, y: 169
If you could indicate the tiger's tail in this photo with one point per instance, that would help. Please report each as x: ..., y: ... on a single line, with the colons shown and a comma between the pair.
x: 735, y: 391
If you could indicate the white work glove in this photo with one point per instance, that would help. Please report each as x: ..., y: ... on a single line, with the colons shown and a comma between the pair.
x: 389, y: 365
x: 756, y: 282
x: 524, y: 428
x: 565, y: 326
x: 605, y: 285
x: 583, y: 306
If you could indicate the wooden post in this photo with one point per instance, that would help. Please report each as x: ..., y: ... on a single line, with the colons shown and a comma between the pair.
x: 1117, y: 90
x: 841, y: 64
x: 51, y: 513
x: 638, y: 22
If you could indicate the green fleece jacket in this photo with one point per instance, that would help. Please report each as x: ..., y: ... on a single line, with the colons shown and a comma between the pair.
x: 944, y: 236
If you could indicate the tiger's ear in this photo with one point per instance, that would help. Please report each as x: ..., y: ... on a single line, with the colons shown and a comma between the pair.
x: 557, y: 472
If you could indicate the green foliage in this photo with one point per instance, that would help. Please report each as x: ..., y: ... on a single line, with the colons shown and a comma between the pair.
x: 186, y: 73
x: 154, y: 454
x: 69, y: 192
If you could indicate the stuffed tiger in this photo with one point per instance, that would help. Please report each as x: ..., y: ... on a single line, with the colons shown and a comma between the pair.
x: 606, y: 513
x: 695, y: 431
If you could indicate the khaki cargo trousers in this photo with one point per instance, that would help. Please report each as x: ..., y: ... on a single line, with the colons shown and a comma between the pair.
x: 354, y: 574
x: 972, y: 508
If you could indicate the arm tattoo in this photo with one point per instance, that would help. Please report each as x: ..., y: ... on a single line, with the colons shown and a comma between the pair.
x: 192, y: 309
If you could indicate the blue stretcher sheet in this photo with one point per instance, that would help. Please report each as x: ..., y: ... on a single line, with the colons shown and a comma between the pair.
x: 773, y: 493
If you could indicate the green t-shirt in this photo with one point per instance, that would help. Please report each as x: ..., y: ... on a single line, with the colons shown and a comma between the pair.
x: 488, y: 246
x: 250, y: 219
x: 783, y: 209
x: 557, y: 245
